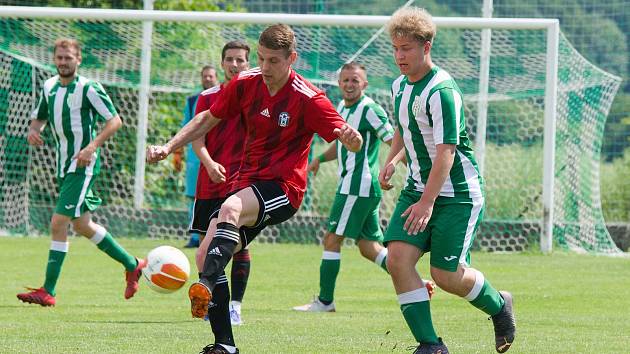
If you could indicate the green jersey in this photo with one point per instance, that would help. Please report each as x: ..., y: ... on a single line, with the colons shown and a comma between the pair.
x: 358, y: 171
x: 430, y: 112
x: 72, y: 112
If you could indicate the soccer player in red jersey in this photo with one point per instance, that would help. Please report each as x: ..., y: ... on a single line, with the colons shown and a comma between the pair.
x: 281, y: 111
x: 220, y: 161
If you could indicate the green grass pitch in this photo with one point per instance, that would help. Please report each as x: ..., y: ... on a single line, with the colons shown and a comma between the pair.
x: 565, y: 303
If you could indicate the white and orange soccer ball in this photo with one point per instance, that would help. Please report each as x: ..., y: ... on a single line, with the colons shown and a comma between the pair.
x: 167, y: 269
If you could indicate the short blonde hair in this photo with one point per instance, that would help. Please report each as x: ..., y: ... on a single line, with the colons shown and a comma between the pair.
x: 412, y: 21
x: 68, y: 43
x: 278, y: 36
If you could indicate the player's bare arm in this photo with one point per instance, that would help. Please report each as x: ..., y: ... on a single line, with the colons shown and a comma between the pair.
x: 85, y: 156
x: 395, y: 155
x: 349, y: 137
x: 195, y: 129
x: 329, y: 155
x: 216, y: 171
x: 34, y: 132
x: 419, y: 214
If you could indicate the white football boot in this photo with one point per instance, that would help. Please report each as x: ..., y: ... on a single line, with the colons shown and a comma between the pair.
x: 316, y: 306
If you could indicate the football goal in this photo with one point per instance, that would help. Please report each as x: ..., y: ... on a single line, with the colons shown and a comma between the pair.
x: 535, y: 109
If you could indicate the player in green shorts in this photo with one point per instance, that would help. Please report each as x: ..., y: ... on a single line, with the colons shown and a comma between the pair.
x: 71, y: 105
x: 355, y: 210
x: 442, y: 204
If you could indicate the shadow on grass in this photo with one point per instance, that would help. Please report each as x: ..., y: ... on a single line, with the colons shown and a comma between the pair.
x: 129, y: 322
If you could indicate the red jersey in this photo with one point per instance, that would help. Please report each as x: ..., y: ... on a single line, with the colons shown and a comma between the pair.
x: 279, y: 129
x: 228, y: 152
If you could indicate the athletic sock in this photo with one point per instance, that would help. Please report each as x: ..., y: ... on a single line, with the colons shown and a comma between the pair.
x: 56, y: 255
x: 106, y: 243
x: 219, y: 312
x: 484, y: 297
x: 328, y: 271
x: 241, y: 264
x: 219, y: 254
x: 381, y: 259
x: 416, y: 309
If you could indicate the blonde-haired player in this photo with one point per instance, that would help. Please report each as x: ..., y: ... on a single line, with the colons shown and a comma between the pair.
x: 442, y: 205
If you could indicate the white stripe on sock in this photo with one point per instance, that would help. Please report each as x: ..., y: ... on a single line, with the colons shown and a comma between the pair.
x: 380, y: 256
x: 328, y: 255
x: 418, y: 295
x: 59, y: 246
x: 229, y: 348
x: 99, y: 235
x: 476, y: 289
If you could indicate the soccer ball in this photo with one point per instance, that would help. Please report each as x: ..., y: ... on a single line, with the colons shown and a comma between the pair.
x: 167, y: 269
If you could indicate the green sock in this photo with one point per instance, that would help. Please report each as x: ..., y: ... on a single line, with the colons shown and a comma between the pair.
x: 56, y: 255
x: 418, y: 315
x: 381, y: 259
x: 108, y: 245
x: 488, y: 300
x: 328, y: 271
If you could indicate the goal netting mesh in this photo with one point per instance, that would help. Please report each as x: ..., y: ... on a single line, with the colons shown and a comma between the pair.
x: 513, y: 157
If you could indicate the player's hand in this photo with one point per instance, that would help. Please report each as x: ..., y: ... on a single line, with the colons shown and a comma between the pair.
x: 349, y: 137
x: 418, y: 216
x: 85, y: 156
x: 216, y: 171
x: 313, y: 166
x: 34, y: 138
x: 385, y: 176
x: 157, y: 153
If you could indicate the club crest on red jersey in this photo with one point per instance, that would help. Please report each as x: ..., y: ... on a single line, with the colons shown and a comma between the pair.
x: 283, y: 119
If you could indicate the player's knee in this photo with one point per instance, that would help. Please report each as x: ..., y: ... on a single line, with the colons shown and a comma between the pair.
x: 332, y: 242
x: 83, y: 228
x: 230, y: 211
x: 395, y: 265
x: 369, y: 249
x: 59, y: 223
x: 447, y: 281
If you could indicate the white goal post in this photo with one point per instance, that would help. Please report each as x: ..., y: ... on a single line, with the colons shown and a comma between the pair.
x: 551, y: 26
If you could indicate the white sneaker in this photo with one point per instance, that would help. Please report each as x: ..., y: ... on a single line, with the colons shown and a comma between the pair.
x: 235, y: 315
x: 316, y: 306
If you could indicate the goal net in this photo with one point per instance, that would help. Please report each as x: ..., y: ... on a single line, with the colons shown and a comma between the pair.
x: 513, y: 135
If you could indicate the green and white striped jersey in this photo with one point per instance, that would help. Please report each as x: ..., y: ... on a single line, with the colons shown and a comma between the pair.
x: 72, y: 112
x: 428, y: 113
x: 358, y: 171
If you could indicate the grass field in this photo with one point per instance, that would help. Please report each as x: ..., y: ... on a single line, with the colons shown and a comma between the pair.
x: 565, y: 303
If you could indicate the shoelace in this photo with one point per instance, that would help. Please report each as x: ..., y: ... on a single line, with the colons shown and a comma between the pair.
x: 208, y: 348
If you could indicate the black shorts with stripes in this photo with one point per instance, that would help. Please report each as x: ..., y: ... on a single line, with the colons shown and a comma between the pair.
x: 273, y: 208
x: 207, y: 209
x: 203, y: 211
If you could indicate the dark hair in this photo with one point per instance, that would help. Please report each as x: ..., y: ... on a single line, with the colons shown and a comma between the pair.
x: 208, y: 67
x: 278, y: 36
x: 235, y: 45
x: 68, y: 43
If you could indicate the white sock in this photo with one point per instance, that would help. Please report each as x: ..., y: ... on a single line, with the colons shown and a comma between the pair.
x: 99, y: 235
x: 229, y: 348
x: 380, y: 257
x: 60, y: 246
x: 236, y: 305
